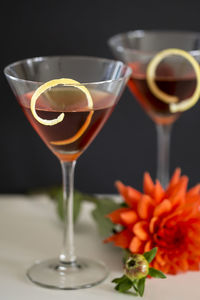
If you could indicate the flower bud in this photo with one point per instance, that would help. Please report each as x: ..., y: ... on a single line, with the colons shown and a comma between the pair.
x: 136, y: 266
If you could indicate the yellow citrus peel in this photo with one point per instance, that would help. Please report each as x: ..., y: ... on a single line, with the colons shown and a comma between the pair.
x: 52, y: 83
x: 172, y: 100
x: 78, y: 134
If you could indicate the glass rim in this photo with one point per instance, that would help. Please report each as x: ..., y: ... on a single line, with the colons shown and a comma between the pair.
x: 40, y: 58
x: 142, y: 32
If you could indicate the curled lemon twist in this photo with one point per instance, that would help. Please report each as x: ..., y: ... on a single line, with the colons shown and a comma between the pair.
x: 172, y: 100
x: 52, y: 83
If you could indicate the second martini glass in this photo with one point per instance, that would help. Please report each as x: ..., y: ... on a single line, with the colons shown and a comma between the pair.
x: 67, y: 116
x: 174, y: 76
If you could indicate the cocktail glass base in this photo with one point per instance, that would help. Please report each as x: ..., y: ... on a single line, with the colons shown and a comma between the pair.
x: 83, y: 273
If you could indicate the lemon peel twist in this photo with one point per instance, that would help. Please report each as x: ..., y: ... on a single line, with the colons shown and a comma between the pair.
x: 169, y: 99
x: 77, y: 135
x: 52, y: 83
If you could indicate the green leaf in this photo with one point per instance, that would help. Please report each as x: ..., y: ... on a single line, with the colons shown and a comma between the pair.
x: 103, y: 207
x: 135, y: 285
x: 156, y: 273
x: 141, y: 286
x: 124, y: 285
x: 131, y: 293
x: 150, y: 254
x: 118, y: 280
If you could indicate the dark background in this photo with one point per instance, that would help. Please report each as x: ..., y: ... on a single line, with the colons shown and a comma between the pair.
x: 126, y: 147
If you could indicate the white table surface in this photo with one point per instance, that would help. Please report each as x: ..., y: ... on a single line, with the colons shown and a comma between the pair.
x: 30, y: 230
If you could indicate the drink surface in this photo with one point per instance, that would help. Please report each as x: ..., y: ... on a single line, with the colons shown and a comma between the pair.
x: 180, y: 86
x: 73, y: 103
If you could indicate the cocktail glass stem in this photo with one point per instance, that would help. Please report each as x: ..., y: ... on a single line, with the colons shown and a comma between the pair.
x: 163, y: 142
x: 67, y: 255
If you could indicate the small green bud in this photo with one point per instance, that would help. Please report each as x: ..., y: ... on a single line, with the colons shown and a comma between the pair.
x: 136, y: 266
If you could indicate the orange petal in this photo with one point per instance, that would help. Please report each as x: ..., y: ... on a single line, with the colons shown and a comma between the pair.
x: 194, y: 191
x: 148, y: 184
x: 177, y: 200
x: 156, y: 265
x: 191, y: 210
x: 121, y: 188
x: 115, y: 216
x: 173, y: 270
x: 178, y: 194
x: 148, y: 246
x: 177, y: 197
x: 158, y: 192
x: 145, y: 207
x: 164, y: 207
x: 181, y: 187
x: 193, y: 265
x: 165, y: 269
x: 174, y: 179
x: 153, y: 224
x: 121, y: 239
x: 141, y: 230
x: 129, y: 217
x: 191, y: 248
x: 136, y: 245
x: 160, y: 259
x: 192, y: 199
x: 131, y: 196
x: 171, y: 218
x: 183, y: 265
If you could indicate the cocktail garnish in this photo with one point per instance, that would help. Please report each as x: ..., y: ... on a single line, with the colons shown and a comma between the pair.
x: 172, y: 100
x: 52, y: 83
x: 78, y: 134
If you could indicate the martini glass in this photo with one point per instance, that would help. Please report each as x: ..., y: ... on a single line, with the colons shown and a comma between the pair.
x: 174, y: 76
x: 104, y: 80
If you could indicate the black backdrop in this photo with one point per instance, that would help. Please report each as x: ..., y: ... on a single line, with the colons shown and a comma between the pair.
x: 126, y: 147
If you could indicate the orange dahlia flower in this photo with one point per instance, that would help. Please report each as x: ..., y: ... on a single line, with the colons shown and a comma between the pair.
x: 167, y: 219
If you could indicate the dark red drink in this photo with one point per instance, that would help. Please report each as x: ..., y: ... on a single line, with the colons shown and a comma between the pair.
x: 182, y: 87
x: 73, y: 103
